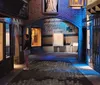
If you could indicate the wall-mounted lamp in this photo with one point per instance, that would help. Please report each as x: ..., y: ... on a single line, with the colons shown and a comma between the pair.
x: 76, y: 4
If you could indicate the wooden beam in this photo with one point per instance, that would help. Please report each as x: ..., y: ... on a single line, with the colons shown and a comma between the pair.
x: 88, y: 12
x: 91, y: 5
x: 92, y: 11
x: 96, y: 3
x: 97, y: 8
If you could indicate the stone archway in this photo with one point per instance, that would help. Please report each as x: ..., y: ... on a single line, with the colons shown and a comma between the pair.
x: 40, y: 23
x: 56, y: 25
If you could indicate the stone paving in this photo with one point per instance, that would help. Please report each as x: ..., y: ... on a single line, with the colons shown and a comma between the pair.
x: 50, y: 73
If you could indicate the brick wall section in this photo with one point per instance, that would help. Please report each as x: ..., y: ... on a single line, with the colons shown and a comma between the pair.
x: 64, y: 12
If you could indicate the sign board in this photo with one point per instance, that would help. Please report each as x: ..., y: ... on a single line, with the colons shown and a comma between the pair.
x: 75, y: 44
x: 58, y: 39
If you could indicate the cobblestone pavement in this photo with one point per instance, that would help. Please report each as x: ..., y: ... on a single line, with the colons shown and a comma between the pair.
x: 50, y: 73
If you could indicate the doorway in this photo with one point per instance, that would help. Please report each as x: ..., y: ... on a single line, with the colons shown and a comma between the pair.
x: 84, y: 44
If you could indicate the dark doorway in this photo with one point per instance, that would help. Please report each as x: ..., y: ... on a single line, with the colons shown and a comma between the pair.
x: 84, y: 45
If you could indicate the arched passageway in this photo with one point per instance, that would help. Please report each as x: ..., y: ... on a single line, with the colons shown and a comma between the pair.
x: 66, y: 38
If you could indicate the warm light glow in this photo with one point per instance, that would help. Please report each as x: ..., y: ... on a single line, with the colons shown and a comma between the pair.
x: 36, y: 37
x: 18, y: 66
x: 1, y: 41
x: 27, y: 30
x: 76, y: 1
x: 76, y: 4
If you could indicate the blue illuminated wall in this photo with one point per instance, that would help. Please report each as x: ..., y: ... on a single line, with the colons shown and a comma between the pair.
x: 64, y: 12
x: 7, y: 20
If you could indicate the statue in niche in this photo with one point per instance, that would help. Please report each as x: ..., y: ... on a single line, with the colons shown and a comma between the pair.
x: 51, y: 5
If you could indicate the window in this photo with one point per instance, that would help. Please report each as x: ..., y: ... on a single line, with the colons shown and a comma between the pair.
x: 7, y: 41
x: 1, y: 41
x: 35, y: 37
